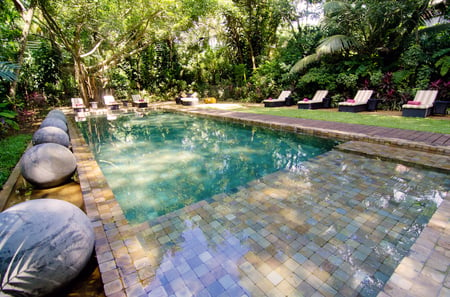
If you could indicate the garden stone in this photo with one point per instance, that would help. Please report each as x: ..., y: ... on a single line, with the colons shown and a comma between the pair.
x: 57, y: 116
x: 54, y: 122
x: 47, y: 165
x: 56, y: 111
x: 51, y: 135
x: 44, y: 244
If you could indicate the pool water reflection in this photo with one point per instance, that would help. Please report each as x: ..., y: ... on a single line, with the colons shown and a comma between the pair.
x: 339, y: 228
x: 338, y: 224
x: 163, y: 161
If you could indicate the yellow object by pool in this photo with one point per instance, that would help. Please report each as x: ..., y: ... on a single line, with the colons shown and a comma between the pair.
x: 209, y: 100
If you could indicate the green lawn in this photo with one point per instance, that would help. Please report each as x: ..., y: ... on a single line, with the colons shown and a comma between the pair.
x: 374, y: 119
x: 12, y: 149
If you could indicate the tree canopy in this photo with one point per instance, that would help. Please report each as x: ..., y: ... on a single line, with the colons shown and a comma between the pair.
x: 242, y: 50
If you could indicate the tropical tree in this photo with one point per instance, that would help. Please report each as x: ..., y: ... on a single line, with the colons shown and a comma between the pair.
x: 26, y: 11
x: 90, y: 31
x: 251, y: 28
x: 371, y: 28
x: 100, y: 34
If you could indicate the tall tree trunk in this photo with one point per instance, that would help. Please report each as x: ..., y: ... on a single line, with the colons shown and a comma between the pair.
x: 82, y: 78
x: 27, y: 16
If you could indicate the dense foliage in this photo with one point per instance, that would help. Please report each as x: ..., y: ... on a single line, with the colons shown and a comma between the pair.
x: 12, y: 149
x: 231, y: 49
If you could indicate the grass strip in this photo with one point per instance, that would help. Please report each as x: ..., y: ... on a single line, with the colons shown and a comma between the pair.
x: 12, y: 148
x: 374, y: 119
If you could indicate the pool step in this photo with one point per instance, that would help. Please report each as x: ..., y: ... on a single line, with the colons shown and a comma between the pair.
x: 392, y: 153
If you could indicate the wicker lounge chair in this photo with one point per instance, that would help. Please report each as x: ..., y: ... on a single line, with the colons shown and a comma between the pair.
x: 359, y: 103
x: 110, y: 102
x: 138, y: 101
x: 422, y: 104
x: 282, y: 100
x: 78, y: 104
x: 318, y: 101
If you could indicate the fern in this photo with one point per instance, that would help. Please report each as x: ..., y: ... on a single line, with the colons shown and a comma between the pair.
x: 7, y: 71
x: 444, y: 64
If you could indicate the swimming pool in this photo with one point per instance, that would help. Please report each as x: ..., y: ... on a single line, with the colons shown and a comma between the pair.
x: 162, y: 162
x: 338, y: 226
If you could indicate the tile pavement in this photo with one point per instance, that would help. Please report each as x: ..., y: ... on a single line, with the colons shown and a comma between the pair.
x: 252, y: 244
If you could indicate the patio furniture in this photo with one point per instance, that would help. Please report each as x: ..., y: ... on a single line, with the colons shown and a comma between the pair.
x: 138, y: 101
x: 359, y: 103
x: 440, y: 107
x: 282, y: 100
x: 421, y: 106
x: 110, y: 102
x: 319, y: 100
x: 78, y: 104
x: 372, y: 104
x: 192, y: 99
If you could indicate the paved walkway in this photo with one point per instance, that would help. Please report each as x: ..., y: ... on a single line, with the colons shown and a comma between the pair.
x: 412, y: 139
x: 128, y: 270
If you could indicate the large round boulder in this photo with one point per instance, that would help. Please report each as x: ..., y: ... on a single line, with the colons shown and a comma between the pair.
x: 57, y: 115
x: 47, y: 165
x: 51, y: 135
x: 54, y: 122
x: 45, y: 243
x: 56, y: 111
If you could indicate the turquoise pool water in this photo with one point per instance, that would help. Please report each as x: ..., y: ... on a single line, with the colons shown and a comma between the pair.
x: 282, y: 214
x: 161, y: 162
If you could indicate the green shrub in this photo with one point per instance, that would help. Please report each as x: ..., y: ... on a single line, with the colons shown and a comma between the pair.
x: 7, y: 119
x: 12, y: 149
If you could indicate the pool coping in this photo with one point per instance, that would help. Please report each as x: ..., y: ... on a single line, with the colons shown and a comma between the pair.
x: 125, y: 268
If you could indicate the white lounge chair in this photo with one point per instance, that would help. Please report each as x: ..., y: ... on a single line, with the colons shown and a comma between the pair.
x: 421, y: 106
x: 138, y: 101
x: 78, y: 104
x: 110, y: 102
x: 280, y: 101
x: 317, y: 101
x: 359, y: 103
x: 192, y: 99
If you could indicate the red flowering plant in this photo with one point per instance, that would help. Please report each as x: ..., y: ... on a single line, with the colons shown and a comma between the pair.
x: 35, y: 100
x: 387, y: 93
x: 443, y: 88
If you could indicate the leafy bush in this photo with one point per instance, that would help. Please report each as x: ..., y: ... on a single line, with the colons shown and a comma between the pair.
x: 347, y: 80
x: 12, y: 149
x: 7, y: 119
x: 317, y: 78
x: 444, y: 61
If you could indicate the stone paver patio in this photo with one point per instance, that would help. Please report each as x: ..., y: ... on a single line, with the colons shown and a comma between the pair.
x: 199, y: 250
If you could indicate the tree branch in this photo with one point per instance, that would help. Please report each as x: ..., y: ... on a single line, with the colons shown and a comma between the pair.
x: 92, y: 50
x: 124, y: 49
x: 19, y: 6
x: 53, y: 26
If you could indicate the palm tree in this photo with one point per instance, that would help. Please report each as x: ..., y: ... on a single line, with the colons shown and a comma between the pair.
x: 7, y: 71
x: 369, y: 27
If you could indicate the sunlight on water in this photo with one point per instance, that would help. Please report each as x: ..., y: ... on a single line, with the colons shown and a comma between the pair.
x: 345, y: 221
x: 163, y: 161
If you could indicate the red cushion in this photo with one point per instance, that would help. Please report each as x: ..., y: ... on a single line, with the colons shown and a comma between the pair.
x: 351, y: 100
x: 414, y: 102
x: 305, y: 99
